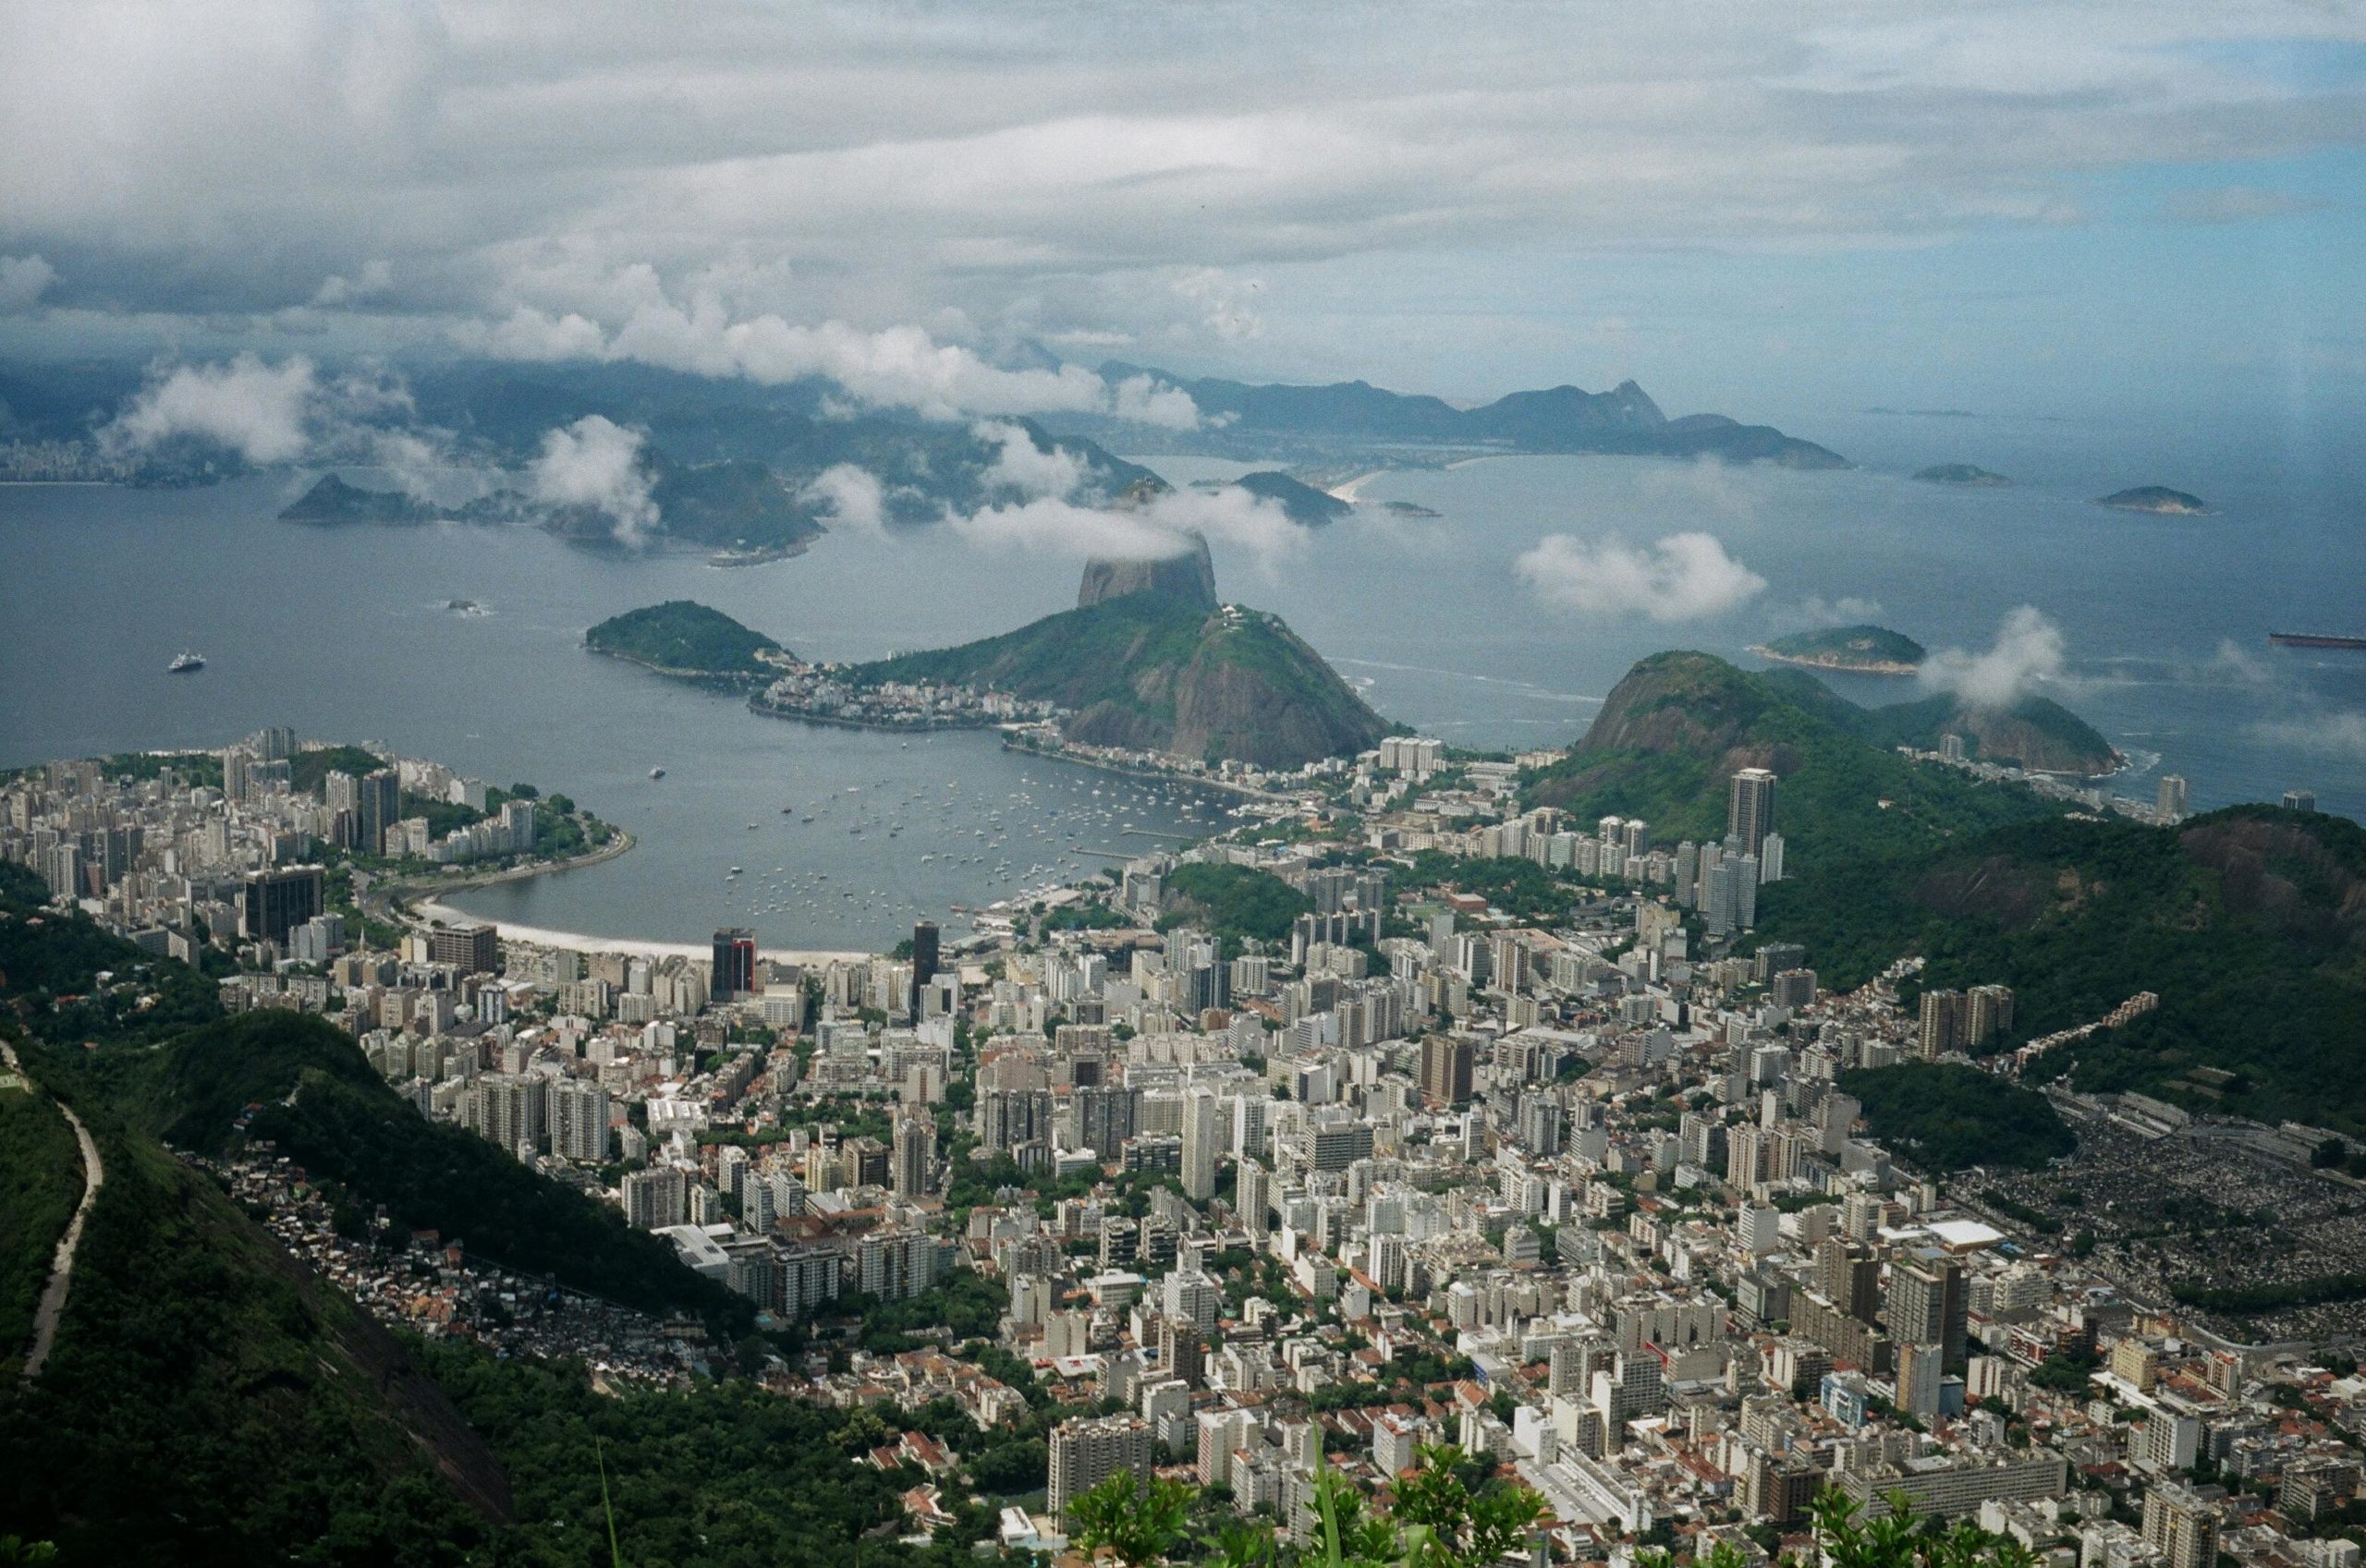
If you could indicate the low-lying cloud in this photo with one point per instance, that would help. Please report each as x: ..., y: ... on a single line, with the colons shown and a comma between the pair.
x: 1684, y: 577
x: 2028, y: 652
x: 849, y: 496
x: 1022, y: 466
x: 268, y: 413
x: 23, y: 280
x: 596, y: 463
x: 899, y: 367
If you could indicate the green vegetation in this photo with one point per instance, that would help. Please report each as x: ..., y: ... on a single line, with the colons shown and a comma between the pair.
x: 1960, y: 473
x: 41, y: 1181
x: 49, y: 965
x: 309, y: 771
x: 1672, y: 733
x: 331, y: 499
x: 1155, y: 671
x: 1522, y: 889
x: 1945, y: 1116
x: 2240, y: 1301
x: 740, y: 506
x: 348, y: 1126
x: 211, y: 1400
x: 2249, y: 923
x: 1848, y: 647
x: 681, y: 638
x: 1235, y: 903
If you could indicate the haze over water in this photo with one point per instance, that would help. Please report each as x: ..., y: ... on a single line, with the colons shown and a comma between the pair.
x: 344, y: 634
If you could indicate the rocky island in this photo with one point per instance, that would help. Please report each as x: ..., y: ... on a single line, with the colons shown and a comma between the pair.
x: 331, y: 499
x: 2159, y: 500
x: 687, y: 641
x: 1962, y: 474
x: 1857, y: 651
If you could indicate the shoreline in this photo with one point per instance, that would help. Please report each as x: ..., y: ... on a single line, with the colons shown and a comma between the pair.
x: 648, y: 947
x: 1808, y: 662
x: 1162, y: 775
x: 1348, y: 492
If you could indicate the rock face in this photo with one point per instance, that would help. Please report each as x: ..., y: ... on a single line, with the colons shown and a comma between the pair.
x: 1189, y: 577
x: 1149, y: 659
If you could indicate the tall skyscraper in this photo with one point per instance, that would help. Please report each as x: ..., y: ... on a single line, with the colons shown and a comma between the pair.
x: 1086, y: 1452
x: 380, y: 807
x: 1942, y: 1029
x: 1203, y: 1135
x: 275, y: 903
x: 925, y: 960
x: 735, y: 963
x: 1750, y: 810
x: 2169, y: 802
x: 1445, y: 1071
x: 914, y: 1151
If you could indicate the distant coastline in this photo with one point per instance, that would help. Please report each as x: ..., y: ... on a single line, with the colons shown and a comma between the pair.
x: 1833, y: 663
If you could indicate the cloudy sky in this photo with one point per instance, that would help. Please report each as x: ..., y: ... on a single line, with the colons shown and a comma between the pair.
x: 1746, y: 206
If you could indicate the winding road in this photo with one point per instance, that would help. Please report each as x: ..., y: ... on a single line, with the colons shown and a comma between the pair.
x: 61, y: 1267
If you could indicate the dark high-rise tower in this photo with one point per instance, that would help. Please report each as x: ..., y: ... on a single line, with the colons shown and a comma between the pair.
x: 923, y: 961
x: 735, y: 961
x: 1750, y: 811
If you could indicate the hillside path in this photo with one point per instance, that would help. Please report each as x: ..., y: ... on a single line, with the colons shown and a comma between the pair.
x: 61, y: 1269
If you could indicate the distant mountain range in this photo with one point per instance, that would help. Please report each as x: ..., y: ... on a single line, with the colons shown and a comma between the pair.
x: 1624, y: 420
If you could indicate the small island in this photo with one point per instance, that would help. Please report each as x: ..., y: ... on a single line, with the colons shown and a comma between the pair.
x: 1409, y: 509
x: 2157, y: 499
x: 1963, y: 474
x: 331, y: 499
x: 687, y: 641
x: 1855, y: 651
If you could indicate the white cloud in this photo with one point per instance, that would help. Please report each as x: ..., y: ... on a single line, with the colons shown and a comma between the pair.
x: 851, y: 497
x: 1052, y: 527
x: 2027, y: 653
x: 23, y: 280
x: 258, y: 411
x: 1024, y: 467
x: 1231, y: 520
x: 1682, y: 578
x: 596, y: 463
x: 376, y: 278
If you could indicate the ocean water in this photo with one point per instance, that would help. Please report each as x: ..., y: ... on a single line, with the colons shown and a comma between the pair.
x: 2162, y: 625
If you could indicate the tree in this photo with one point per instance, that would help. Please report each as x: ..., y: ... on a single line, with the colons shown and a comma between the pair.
x: 1139, y: 1520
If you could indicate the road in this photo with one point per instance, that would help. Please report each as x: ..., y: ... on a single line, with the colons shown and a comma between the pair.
x: 61, y: 1267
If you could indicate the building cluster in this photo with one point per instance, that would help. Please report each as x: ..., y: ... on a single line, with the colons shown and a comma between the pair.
x: 235, y: 849
x: 1581, y: 1192
x: 829, y: 692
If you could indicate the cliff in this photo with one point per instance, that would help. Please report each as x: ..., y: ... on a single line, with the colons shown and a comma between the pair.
x: 1189, y: 577
x: 1162, y: 668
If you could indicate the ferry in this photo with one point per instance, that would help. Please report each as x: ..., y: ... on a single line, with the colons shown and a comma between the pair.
x: 188, y: 663
x: 2312, y: 639
x: 656, y: 773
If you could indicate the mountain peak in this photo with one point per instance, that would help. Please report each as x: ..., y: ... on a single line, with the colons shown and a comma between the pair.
x: 1189, y: 577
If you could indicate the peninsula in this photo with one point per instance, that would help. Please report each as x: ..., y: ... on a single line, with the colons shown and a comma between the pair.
x: 689, y: 641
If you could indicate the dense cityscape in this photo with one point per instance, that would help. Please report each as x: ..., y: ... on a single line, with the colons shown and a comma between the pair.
x: 1290, y: 1152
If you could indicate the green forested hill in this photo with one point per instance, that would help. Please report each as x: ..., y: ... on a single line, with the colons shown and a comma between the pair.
x: 1672, y: 733
x: 683, y: 638
x: 1157, y: 671
x: 2249, y: 923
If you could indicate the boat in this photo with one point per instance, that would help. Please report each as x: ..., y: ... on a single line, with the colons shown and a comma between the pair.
x: 2301, y: 639
x: 188, y: 663
x: 656, y: 773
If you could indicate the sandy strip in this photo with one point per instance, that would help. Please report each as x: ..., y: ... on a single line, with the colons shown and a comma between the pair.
x: 539, y: 936
x: 1347, y: 492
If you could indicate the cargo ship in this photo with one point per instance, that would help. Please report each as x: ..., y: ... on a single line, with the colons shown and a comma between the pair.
x: 2315, y: 639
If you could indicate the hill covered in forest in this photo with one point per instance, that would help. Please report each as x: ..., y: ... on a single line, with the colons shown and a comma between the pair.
x: 685, y: 639
x: 1159, y: 668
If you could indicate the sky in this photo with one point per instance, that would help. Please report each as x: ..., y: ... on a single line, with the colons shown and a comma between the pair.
x: 2024, y: 208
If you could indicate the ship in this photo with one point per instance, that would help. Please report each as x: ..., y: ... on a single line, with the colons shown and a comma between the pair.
x: 2314, y: 640
x: 188, y: 663
x: 656, y: 773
